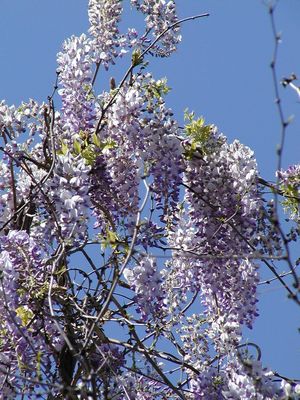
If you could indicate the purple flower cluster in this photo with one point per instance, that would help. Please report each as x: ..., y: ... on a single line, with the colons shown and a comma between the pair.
x: 290, y: 176
x: 248, y: 380
x: 11, y: 119
x: 208, y: 385
x: 236, y: 380
x: 75, y: 74
x: 139, y: 141
x: 63, y: 203
x: 223, y: 204
x: 163, y: 157
x: 145, y: 279
x: 104, y: 16
x: 68, y: 189
x: 160, y: 15
x: 116, y: 175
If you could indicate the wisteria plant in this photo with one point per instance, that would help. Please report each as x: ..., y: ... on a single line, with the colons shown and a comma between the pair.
x: 130, y: 245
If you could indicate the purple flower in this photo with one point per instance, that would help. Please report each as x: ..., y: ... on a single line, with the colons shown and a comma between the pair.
x: 75, y: 74
x: 145, y: 279
x: 222, y: 206
x: 104, y: 16
x: 160, y: 14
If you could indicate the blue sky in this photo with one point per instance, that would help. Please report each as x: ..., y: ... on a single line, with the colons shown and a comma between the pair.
x: 221, y: 71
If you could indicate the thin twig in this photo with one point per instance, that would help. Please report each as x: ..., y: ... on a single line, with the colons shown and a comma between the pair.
x: 284, y: 123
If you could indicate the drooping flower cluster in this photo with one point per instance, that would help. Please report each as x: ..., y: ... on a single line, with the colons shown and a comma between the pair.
x: 72, y: 201
x: 104, y: 17
x: 11, y: 120
x: 237, y: 380
x: 75, y: 75
x: 116, y: 174
x: 222, y: 203
x: 52, y: 213
x: 138, y: 140
x: 162, y: 153
x: 289, y: 390
x: 247, y: 379
x: 160, y: 15
x: 146, y: 279
x: 209, y: 385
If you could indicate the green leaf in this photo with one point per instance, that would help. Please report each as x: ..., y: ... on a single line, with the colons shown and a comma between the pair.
x: 109, y: 144
x: 64, y: 149
x: 112, y: 237
x: 38, y: 363
x: 77, y: 147
x: 89, y: 155
x: 21, y: 108
x: 198, y: 132
x: 291, y: 194
x: 25, y: 314
x: 110, y: 240
x: 188, y: 116
x: 96, y: 140
x: 22, y: 366
x: 160, y: 88
x: 136, y: 58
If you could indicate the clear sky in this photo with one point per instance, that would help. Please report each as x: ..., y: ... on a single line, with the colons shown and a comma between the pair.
x: 221, y: 71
